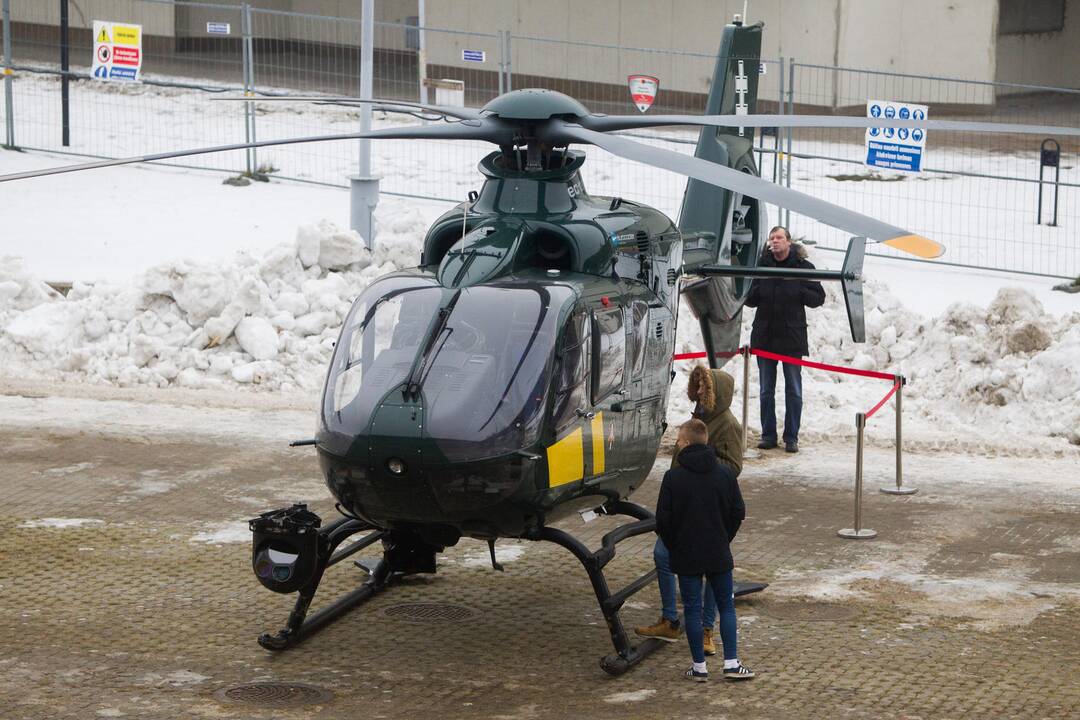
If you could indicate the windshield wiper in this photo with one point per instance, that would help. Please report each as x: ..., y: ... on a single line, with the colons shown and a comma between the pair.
x: 414, y: 379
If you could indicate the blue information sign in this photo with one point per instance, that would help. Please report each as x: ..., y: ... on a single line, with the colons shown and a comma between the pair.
x: 895, y: 148
x: 473, y: 56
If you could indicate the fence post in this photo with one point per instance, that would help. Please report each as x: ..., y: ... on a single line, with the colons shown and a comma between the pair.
x: 508, y: 58
x: 421, y: 51
x: 899, y: 489
x: 65, y: 66
x: 791, y: 111
x: 9, y: 117
x: 502, y: 60
x: 858, y: 532
x: 246, y: 48
x: 776, y: 166
x: 364, y: 189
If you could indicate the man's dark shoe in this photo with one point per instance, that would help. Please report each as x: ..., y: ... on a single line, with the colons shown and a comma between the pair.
x: 791, y: 447
x: 766, y: 444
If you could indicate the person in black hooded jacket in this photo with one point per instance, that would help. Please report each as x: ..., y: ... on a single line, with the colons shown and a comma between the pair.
x: 698, y: 514
x: 780, y: 327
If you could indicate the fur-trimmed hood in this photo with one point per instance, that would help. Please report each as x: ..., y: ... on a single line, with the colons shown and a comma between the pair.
x: 800, y: 251
x: 712, y: 390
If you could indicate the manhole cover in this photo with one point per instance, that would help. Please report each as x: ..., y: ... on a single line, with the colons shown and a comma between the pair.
x: 274, y: 694
x: 429, y: 612
x: 809, y: 611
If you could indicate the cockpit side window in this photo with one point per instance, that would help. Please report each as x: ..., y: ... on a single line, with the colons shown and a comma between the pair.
x: 609, y: 352
x: 573, y: 362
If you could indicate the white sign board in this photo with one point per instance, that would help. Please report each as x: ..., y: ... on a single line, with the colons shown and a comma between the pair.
x: 474, y: 56
x: 895, y: 148
x: 218, y: 28
x: 117, y: 51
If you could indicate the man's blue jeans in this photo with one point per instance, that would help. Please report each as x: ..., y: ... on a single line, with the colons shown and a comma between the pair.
x: 792, y: 400
x: 666, y: 579
x: 723, y: 588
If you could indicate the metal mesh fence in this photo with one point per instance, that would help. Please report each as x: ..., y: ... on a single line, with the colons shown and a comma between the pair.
x: 977, y: 193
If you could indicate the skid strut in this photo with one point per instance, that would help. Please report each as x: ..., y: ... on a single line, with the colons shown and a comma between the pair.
x: 626, y: 654
x: 299, y: 626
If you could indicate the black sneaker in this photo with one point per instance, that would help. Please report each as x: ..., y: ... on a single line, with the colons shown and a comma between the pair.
x: 696, y: 676
x: 738, y: 673
x: 791, y: 447
x: 766, y: 444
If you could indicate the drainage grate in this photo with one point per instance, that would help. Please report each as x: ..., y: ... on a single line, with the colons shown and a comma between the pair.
x: 274, y: 694
x: 429, y: 612
x: 809, y: 611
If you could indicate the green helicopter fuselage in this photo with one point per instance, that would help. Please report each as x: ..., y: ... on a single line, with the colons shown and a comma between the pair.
x: 519, y: 373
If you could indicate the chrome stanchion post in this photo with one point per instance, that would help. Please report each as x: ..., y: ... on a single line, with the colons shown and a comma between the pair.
x: 748, y: 454
x: 858, y: 532
x: 899, y: 489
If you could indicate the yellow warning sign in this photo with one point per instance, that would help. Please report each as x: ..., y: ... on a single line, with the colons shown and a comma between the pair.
x: 126, y: 34
x: 103, y: 36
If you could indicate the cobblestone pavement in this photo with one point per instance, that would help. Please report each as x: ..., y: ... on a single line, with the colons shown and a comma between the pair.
x: 966, y: 606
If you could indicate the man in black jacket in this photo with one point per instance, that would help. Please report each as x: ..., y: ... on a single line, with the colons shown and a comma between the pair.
x: 780, y: 327
x: 698, y: 513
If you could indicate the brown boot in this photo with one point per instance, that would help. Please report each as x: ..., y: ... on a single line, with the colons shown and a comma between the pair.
x: 663, y: 630
x: 710, y: 645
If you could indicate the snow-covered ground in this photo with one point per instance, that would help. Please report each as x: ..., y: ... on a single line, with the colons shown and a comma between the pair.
x: 183, y: 282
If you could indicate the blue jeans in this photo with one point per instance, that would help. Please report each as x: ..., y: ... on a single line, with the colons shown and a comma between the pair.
x: 723, y: 588
x: 792, y: 399
x: 666, y: 579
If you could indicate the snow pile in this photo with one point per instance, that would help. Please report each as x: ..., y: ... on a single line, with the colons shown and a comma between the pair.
x: 271, y: 320
x: 1000, y: 375
x: 996, y: 376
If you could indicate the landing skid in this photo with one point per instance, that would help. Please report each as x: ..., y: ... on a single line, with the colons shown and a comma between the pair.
x: 405, y: 555
x: 299, y: 626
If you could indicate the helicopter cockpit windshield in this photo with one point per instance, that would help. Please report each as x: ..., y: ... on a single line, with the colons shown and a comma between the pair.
x: 483, y: 377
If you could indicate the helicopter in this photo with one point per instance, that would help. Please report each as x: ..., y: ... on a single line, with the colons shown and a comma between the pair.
x: 521, y: 372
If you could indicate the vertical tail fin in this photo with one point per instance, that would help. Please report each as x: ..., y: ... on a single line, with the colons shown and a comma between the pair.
x: 729, y: 228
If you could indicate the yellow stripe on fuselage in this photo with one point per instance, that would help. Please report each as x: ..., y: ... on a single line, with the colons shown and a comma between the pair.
x: 598, y: 444
x: 566, y: 459
x: 917, y: 245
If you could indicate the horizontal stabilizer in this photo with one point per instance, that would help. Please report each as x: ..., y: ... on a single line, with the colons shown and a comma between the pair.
x: 850, y: 277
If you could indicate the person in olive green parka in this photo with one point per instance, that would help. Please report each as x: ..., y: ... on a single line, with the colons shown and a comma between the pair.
x: 713, y: 391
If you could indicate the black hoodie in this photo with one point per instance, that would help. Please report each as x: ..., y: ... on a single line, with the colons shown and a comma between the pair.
x: 698, y: 513
x: 780, y: 321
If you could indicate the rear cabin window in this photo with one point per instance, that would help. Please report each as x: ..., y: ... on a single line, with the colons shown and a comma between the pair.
x: 609, y: 352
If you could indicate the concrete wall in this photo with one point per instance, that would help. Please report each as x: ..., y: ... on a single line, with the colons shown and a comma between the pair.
x: 689, y: 29
x: 1042, y: 58
x: 918, y: 37
x: 910, y: 36
x: 156, y: 19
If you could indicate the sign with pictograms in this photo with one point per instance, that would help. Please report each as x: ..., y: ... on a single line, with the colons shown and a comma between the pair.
x: 895, y: 148
x: 643, y: 90
x: 117, y: 51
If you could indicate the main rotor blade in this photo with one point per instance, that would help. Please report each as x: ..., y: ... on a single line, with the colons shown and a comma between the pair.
x: 747, y: 184
x: 474, y: 130
x: 461, y: 113
x: 608, y: 123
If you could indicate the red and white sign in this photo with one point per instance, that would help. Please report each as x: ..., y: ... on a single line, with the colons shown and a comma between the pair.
x: 123, y: 55
x: 643, y: 90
